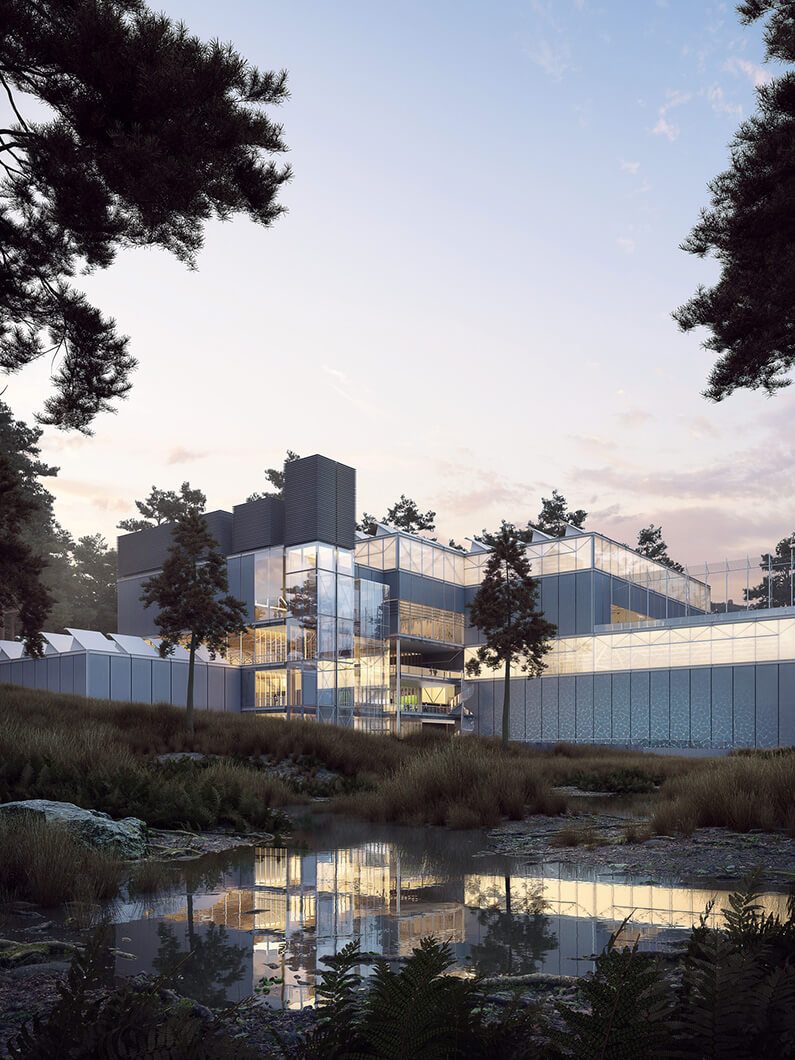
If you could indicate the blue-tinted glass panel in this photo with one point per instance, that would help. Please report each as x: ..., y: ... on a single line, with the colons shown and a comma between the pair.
x: 326, y: 593
x: 567, y: 621
x: 584, y: 723
x: 326, y: 637
x: 247, y: 585
x: 621, y: 719
x: 744, y: 706
x: 301, y: 593
x: 640, y: 719
x: 233, y: 574
x: 700, y: 706
x: 549, y: 598
x: 484, y: 693
x: 722, y: 693
x: 325, y: 557
x: 567, y: 708
x: 680, y: 706
x: 346, y: 596
x: 550, y: 726
x: 583, y: 619
x: 517, y: 709
x: 345, y: 638
x: 767, y: 706
x: 601, y: 598
x: 344, y: 561
x: 660, y: 709
x: 533, y: 710
x: 602, y: 708
x: 786, y: 704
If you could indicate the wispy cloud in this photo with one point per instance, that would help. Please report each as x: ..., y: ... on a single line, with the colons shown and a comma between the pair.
x: 720, y: 104
x: 349, y: 389
x: 105, y: 498
x: 553, y: 58
x: 664, y: 126
x: 630, y: 167
x: 756, y: 74
x: 699, y: 426
x: 627, y: 245
x: 180, y: 455
x: 633, y: 417
x: 551, y: 50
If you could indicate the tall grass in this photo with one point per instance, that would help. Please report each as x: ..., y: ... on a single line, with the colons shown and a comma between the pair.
x: 44, y: 863
x: 89, y: 752
x: 461, y: 783
x: 740, y: 793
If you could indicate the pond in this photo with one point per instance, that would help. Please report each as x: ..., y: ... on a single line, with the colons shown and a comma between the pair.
x: 274, y: 913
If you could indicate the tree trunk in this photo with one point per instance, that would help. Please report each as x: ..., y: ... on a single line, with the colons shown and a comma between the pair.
x: 506, y: 705
x: 189, y: 701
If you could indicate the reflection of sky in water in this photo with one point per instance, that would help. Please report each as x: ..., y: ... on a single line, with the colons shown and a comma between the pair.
x: 277, y: 913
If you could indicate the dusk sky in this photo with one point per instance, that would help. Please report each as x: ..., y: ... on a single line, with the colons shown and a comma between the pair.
x: 470, y: 298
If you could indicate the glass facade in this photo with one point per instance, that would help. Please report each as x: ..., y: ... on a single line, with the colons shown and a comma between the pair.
x: 711, y: 643
x: 319, y: 639
x: 430, y: 623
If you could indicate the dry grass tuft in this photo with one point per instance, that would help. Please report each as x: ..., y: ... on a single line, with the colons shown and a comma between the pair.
x: 740, y: 793
x: 44, y: 863
x: 461, y: 783
x: 586, y: 836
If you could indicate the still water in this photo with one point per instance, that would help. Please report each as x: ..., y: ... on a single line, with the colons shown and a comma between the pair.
x: 276, y: 912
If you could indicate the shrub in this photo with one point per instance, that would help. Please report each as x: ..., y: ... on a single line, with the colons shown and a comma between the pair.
x: 740, y: 793
x: 618, y: 781
x: 145, y: 1023
x: 414, y: 1011
x: 461, y: 783
x: 44, y: 863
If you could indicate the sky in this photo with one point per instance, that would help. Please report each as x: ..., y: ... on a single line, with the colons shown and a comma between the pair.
x: 470, y: 297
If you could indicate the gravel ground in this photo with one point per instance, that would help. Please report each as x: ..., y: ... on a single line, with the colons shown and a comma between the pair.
x: 710, y: 853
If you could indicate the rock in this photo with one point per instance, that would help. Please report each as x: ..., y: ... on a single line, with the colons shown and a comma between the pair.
x: 125, y: 838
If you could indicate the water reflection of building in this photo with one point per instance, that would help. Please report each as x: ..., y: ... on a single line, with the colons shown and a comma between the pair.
x: 290, y: 909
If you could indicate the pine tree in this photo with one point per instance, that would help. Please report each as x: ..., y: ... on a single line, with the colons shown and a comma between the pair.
x: 164, y: 506
x: 403, y: 515
x: 651, y: 544
x: 554, y: 516
x: 505, y: 610
x: 748, y: 226
x: 276, y: 478
x: 21, y: 587
x: 148, y: 133
x: 192, y: 593
x: 776, y: 588
x: 93, y: 602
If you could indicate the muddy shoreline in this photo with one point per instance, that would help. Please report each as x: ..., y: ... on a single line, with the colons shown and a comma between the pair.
x: 709, y: 854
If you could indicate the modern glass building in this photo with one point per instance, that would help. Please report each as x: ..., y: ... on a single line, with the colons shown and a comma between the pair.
x: 372, y: 632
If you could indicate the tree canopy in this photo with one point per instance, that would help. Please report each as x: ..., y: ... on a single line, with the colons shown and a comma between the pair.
x: 651, y: 544
x: 555, y: 514
x: 21, y: 587
x: 505, y: 610
x: 276, y: 478
x: 749, y: 227
x: 403, y: 515
x: 164, y: 506
x: 776, y: 587
x: 150, y: 133
x: 60, y: 582
x: 192, y: 595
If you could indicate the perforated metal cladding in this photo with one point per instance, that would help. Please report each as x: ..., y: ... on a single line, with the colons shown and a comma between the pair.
x: 319, y: 502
